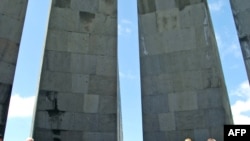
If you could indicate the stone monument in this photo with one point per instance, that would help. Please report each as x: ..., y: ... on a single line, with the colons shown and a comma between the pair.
x: 12, y: 15
x: 78, y: 96
x: 241, y: 12
x: 182, y: 83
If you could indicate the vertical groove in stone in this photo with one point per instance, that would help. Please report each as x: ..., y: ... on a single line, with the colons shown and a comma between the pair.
x: 78, y: 93
x: 241, y: 10
x: 12, y: 15
x: 182, y: 83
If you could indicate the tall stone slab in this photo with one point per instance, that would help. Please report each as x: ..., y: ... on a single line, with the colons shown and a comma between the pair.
x: 78, y: 93
x: 182, y: 83
x: 12, y: 15
x: 241, y: 13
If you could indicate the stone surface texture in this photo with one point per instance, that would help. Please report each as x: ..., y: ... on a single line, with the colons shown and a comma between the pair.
x: 182, y: 83
x: 12, y: 15
x: 241, y: 12
x: 78, y: 96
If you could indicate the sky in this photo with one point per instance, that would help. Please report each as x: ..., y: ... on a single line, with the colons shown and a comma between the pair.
x: 32, y: 47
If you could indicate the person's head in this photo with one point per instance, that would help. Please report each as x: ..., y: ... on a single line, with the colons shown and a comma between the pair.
x: 188, y: 139
x: 1, y: 137
x: 29, y: 139
x: 211, y: 139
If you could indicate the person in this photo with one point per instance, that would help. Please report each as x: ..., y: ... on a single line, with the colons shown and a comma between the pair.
x: 188, y: 139
x: 211, y: 139
x: 29, y: 139
x: 1, y: 137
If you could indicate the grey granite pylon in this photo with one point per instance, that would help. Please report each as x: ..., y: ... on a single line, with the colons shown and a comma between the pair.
x: 182, y: 83
x: 78, y: 95
x: 241, y: 13
x: 12, y: 15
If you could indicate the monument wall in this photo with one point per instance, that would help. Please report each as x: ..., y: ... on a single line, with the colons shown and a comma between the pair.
x: 12, y: 15
x: 78, y: 96
x: 241, y: 12
x: 182, y: 83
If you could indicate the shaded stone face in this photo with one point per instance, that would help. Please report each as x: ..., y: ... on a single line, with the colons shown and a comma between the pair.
x: 5, y: 90
x: 241, y: 10
x: 146, y: 6
x: 62, y: 3
x: 78, y: 95
x: 181, y: 76
x: 11, y: 26
x: 183, y: 90
x: 182, y: 3
x: 86, y: 19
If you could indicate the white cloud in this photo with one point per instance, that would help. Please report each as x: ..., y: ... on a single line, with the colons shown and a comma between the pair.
x: 217, y: 5
x: 125, y: 21
x: 127, y: 75
x: 21, y: 106
x: 235, y: 66
x: 243, y: 90
x: 124, y: 27
x: 219, y: 41
x: 233, y: 49
x: 228, y: 48
x: 240, y: 107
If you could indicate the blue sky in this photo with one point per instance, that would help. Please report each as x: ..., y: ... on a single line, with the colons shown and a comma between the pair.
x: 30, y: 57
